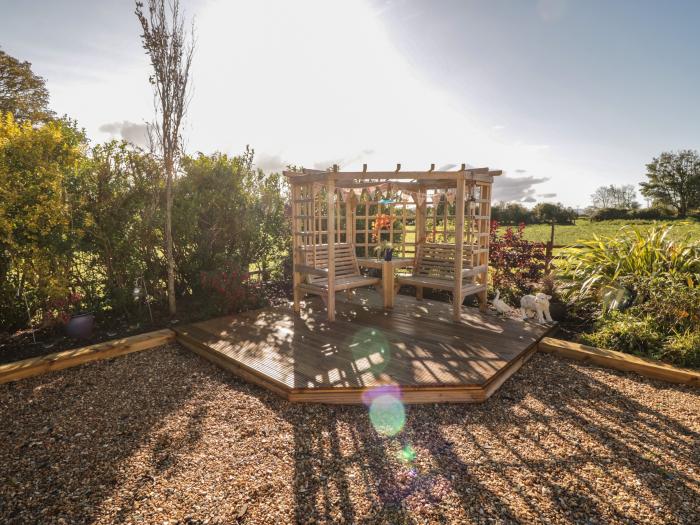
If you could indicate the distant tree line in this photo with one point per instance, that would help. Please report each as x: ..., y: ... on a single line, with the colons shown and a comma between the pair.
x: 672, y: 188
x: 513, y: 214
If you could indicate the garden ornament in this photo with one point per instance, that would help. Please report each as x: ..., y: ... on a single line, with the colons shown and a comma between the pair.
x: 537, y: 305
x: 500, y: 305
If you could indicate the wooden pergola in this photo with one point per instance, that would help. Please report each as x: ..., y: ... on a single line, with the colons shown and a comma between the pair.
x: 436, y: 221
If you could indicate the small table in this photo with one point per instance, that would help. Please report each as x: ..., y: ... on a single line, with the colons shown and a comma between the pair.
x: 387, y: 268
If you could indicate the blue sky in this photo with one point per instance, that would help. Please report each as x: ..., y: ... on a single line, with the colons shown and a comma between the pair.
x: 563, y: 95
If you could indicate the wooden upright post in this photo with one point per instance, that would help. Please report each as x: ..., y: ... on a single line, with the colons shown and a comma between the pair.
x: 421, y: 221
x: 296, y: 221
x: 350, y: 219
x: 330, y: 188
x: 484, y: 211
x: 459, y: 248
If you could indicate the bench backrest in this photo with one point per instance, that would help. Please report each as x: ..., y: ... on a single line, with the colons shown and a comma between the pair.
x: 438, y: 261
x: 344, y: 256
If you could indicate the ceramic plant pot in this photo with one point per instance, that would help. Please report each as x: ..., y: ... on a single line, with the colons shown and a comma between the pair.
x: 80, y: 326
x: 557, y: 311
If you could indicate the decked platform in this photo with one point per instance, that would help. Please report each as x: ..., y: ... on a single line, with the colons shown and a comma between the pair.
x: 416, y: 346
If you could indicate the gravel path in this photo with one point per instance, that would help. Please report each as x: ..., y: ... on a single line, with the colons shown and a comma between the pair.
x: 164, y: 437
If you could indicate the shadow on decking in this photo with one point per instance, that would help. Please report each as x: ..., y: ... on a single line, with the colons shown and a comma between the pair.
x: 415, y: 345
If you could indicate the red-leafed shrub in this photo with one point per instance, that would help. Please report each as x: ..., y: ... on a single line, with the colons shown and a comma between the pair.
x: 59, y: 310
x: 517, y: 264
x: 231, y: 290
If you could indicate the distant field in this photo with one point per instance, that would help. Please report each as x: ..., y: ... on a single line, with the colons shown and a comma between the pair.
x: 585, y: 229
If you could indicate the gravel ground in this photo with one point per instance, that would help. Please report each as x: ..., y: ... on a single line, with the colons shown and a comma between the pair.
x: 164, y: 437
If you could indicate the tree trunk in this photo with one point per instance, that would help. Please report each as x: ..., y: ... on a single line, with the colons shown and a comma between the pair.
x: 172, y: 307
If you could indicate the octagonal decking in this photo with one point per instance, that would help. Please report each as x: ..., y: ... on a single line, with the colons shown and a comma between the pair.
x: 416, y: 346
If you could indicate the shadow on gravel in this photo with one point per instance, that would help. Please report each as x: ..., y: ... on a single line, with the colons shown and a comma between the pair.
x: 65, y: 435
x: 552, y: 450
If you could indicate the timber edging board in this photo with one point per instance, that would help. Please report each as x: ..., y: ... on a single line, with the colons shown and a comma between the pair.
x: 60, y: 360
x: 620, y: 361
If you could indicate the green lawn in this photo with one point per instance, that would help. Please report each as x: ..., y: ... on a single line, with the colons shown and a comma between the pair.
x: 585, y: 229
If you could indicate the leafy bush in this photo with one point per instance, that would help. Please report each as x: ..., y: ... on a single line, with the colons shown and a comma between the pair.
x: 36, y: 238
x: 646, y: 289
x: 230, y: 291
x: 228, y: 215
x: 517, y: 264
x: 683, y: 348
x: 546, y: 212
x: 79, y: 222
x: 608, y: 214
x: 512, y: 214
x: 115, y: 201
x: 625, y: 332
x: 653, y: 214
x: 606, y: 266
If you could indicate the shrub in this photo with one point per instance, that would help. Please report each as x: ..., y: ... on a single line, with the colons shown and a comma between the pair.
x: 227, y: 214
x: 653, y: 214
x: 512, y: 214
x: 517, y: 264
x: 36, y: 235
x: 230, y: 291
x: 625, y: 332
x: 683, y: 348
x: 115, y: 207
x: 546, y: 212
x: 609, y: 214
x: 646, y: 289
x: 606, y: 266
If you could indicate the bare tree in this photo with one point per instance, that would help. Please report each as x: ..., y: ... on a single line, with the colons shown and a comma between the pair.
x: 623, y: 197
x: 170, y: 48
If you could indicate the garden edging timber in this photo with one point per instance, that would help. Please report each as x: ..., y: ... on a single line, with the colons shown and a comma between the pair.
x: 68, y: 358
x: 620, y: 361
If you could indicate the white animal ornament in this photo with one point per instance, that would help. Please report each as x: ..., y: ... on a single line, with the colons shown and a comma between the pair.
x: 537, y: 304
x: 500, y: 305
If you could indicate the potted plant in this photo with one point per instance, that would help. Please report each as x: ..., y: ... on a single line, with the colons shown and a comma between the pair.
x: 65, y: 311
x: 382, y: 222
x: 384, y: 250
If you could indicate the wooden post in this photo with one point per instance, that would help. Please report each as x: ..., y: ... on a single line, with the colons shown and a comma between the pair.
x: 549, y: 251
x: 330, y: 188
x: 296, y: 276
x: 484, y: 211
x: 350, y: 220
x: 459, y: 248
x: 421, y: 222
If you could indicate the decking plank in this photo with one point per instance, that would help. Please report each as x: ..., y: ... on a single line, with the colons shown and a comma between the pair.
x: 308, y: 358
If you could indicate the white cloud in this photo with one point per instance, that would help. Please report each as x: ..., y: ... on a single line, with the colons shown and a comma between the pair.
x: 516, y: 189
x: 132, y: 132
x: 269, y: 163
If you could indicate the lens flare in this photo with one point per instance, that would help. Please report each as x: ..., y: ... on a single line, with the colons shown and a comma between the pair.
x: 386, y: 410
x: 407, y: 454
x: 371, y: 351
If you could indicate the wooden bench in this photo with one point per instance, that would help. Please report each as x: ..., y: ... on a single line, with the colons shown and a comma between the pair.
x: 435, y: 268
x: 315, y: 272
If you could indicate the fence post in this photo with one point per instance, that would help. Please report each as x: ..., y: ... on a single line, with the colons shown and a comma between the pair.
x: 548, y: 255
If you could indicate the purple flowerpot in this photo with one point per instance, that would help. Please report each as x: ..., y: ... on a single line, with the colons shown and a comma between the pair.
x: 80, y: 326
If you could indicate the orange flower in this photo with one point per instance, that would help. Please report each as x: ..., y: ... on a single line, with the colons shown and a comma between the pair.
x: 382, y: 222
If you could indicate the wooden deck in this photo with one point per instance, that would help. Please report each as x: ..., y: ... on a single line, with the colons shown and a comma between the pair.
x: 416, y: 346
